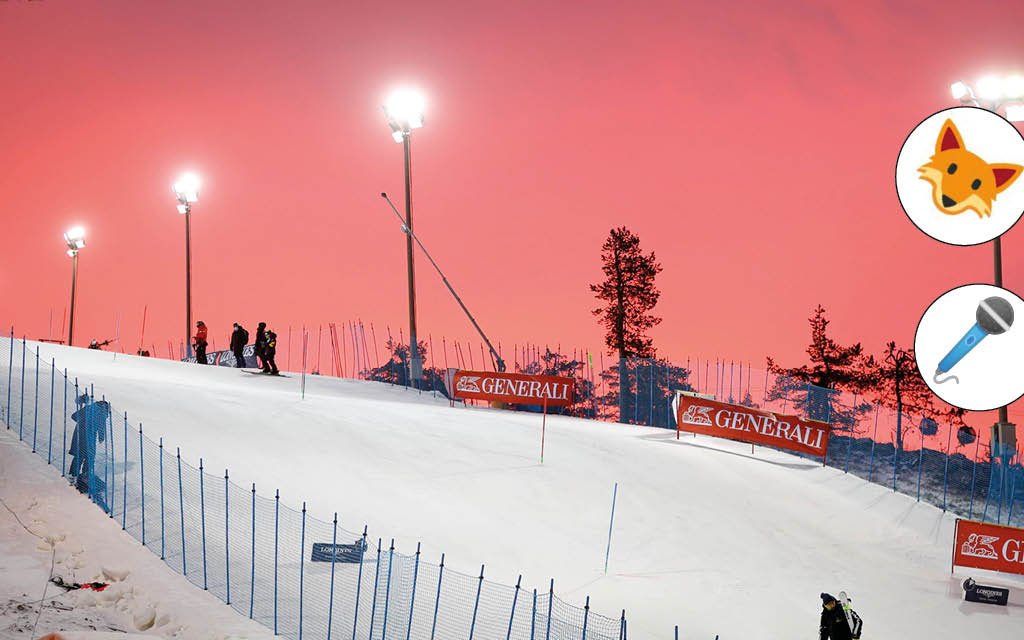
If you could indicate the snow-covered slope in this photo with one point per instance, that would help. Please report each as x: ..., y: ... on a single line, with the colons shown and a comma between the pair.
x: 706, y: 535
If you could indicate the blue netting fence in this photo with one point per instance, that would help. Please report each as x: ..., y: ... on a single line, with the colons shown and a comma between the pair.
x: 293, y: 573
x: 951, y: 467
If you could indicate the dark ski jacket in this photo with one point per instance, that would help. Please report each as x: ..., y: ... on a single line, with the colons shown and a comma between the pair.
x: 271, y: 349
x: 833, y: 624
x: 239, y: 338
x: 261, y: 340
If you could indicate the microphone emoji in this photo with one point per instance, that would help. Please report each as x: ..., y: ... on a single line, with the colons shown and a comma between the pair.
x: 994, y: 315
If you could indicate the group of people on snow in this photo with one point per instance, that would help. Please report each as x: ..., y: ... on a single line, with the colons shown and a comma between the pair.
x: 265, y: 347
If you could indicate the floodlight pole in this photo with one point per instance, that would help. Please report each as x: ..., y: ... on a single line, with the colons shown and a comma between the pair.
x: 74, y: 282
x: 188, y: 281
x: 416, y: 367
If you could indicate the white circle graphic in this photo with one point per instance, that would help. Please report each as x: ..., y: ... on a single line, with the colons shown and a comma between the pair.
x: 987, y: 334
x: 960, y: 176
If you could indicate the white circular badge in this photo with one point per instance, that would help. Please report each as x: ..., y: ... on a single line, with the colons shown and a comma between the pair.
x: 969, y: 347
x: 958, y: 176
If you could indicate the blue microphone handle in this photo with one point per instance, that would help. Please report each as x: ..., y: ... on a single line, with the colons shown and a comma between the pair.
x: 968, y: 342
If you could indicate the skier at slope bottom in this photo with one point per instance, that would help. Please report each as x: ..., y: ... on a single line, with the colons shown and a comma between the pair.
x: 834, y: 622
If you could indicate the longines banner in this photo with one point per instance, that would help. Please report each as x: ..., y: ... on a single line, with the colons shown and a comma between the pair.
x: 517, y: 388
x: 737, y: 422
x: 988, y: 546
x: 227, y: 359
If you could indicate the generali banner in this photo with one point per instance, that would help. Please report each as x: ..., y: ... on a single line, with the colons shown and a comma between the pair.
x: 517, y: 388
x: 737, y: 422
x: 989, y: 546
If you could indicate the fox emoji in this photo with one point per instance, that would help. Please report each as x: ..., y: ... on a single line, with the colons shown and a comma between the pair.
x: 962, y: 180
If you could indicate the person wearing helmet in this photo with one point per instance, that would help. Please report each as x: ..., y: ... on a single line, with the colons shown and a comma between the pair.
x: 269, y: 366
x: 200, y: 342
x: 261, y: 346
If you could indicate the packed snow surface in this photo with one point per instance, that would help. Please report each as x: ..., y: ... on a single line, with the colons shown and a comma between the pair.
x: 707, y: 535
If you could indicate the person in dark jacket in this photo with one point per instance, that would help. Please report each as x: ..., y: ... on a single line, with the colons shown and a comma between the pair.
x: 261, y: 346
x: 833, y: 620
x: 200, y: 342
x: 90, y: 424
x: 239, y: 338
x: 269, y: 366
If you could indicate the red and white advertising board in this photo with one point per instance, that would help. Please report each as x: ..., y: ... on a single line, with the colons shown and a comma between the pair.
x: 736, y: 422
x: 988, y: 546
x: 515, y: 388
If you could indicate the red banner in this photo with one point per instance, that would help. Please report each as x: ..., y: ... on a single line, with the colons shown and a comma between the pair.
x: 988, y: 546
x: 517, y: 388
x: 737, y: 422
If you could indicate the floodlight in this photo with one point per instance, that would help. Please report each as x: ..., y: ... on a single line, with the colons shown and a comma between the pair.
x: 75, y: 238
x: 1013, y: 87
x: 187, y: 189
x: 1015, y: 112
x: 960, y: 90
x: 405, y: 108
x: 990, y: 87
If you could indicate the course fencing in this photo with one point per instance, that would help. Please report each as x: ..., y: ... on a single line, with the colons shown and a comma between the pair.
x: 293, y: 573
x: 952, y: 467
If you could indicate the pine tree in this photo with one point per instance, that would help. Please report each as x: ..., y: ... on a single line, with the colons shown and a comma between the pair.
x: 833, y: 368
x: 900, y: 386
x: 628, y: 293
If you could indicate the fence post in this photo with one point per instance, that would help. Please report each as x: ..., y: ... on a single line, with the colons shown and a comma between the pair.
x: 10, y: 378
x: 142, y: 484
x: 920, y: 465
x: 64, y: 450
x: 124, y: 516
x: 974, y: 474
x: 895, y: 458
x: 415, y: 576
x: 162, y: 556
x: 227, y: 545
x: 437, y: 599
x: 302, y: 543
x: 650, y: 414
x: 181, y: 512
x: 376, y: 579
x: 359, y: 582
x: 334, y: 553
x: 874, y: 438
x: 992, y: 465
x: 1013, y: 496
x: 512, y: 616
x: 108, y: 427
x: 551, y: 598
x: 49, y: 439
x: 277, y: 514
x: 202, y: 519
x: 476, y: 604
x: 387, y: 589
x: 533, y: 616
x: 622, y: 626
x: 252, y: 576
x: 945, y: 473
x: 849, y: 448
x: 35, y: 415
x: 586, y: 607
x: 21, y: 408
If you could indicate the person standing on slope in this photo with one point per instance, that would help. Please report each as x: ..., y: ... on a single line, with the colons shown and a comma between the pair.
x: 200, y: 342
x: 261, y: 346
x: 269, y: 366
x: 834, y: 625
x: 239, y: 338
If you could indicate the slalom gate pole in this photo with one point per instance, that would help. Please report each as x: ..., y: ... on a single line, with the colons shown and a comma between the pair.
x: 615, y: 494
x: 543, y: 430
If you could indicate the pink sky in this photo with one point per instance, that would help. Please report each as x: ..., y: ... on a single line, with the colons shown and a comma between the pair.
x: 752, y: 148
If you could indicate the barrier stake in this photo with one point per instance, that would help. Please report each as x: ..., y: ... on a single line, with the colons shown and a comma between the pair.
x: 974, y: 475
x: 124, y: 516
x: 142, y: 491
x: 252, y: 575
x: 415, y: 576
x: 479, y: 585
x: 551, y: 598
x: 512, y: 616
x: 437, y: 599
x: 49, y: 438
x: 376, y: 580
x: 202, y: 519
x: 64, y: 449
x: 543, y: 429
x: 849, y: 448
x: 35, y: 416
x: 10, y: 378
x: 615, y: 493
x: 162, y: 545
x: 359, y: 583
x: 334, y: 554
x: 874, y: 439
x: 387, y: 589
x: 586, y: 612
x: 277, y: 518
x: 227, y: 544
x: 945, y: 474
x: 21, y: 408
x: 181, y: 511
x: 302, y: 543
x: 920, y: 465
